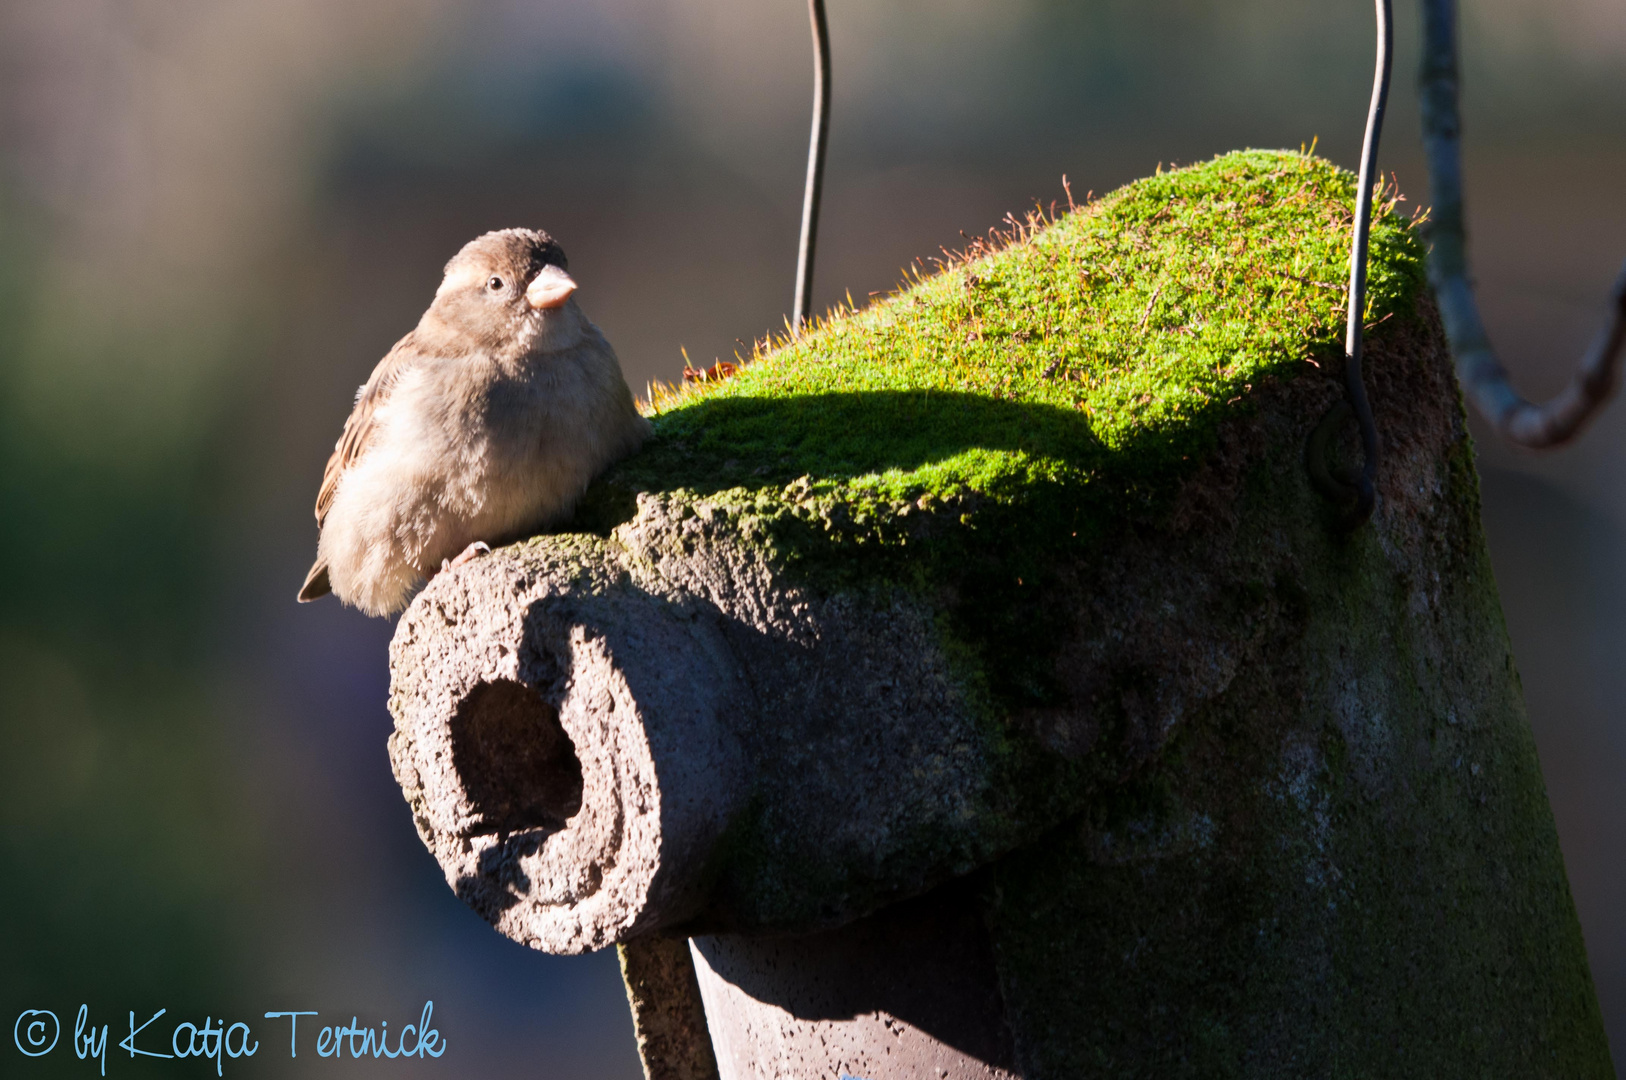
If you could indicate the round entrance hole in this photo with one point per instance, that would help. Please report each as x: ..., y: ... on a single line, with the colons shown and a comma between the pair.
x: 518, y: 767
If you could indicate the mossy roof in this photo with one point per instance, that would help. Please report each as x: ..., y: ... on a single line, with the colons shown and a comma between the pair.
x: 1097, y: 351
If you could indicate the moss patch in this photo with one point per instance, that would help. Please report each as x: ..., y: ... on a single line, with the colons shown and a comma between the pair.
x: 1100, y: 349
x: 1028, y: 402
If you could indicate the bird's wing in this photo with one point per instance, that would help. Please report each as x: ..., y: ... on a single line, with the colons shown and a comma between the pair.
x: 358, y: 430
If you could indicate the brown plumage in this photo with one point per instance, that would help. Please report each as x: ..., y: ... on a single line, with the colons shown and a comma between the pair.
x: 483, y: 425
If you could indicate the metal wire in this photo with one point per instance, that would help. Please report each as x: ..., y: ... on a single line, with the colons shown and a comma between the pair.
x: 1484, y: 380
x: 802, y: 308
x: 1354, y: 384
x: 1361, y: 486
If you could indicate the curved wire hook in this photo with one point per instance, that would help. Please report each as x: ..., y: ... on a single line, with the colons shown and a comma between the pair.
x: 1482, y: 376
x: 817, y: 142
x: 1361, y: 486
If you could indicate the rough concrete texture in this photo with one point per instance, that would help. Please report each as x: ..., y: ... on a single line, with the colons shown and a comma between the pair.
x: 1128, y: 763
x: 908, y: 992
x: 566, y: 671
x: 668, y: 1018
x: 748, y: 754
x: 1341, y: 862
x: 1284, y: 818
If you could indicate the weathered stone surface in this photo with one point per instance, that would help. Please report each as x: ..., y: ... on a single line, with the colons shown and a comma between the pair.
x: 1209, y: 786
x: 910, y: 991
x: 1343, y: 862
x: 1286, y: 807
x: 668, y: 1017
x: 751, y: 754
x: 542, y: 668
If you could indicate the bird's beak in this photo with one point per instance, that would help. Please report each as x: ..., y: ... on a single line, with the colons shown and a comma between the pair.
x: 550, y: 288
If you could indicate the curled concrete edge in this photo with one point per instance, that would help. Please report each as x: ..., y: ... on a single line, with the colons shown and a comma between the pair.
x: 565, y: 760
x: 701, y: 742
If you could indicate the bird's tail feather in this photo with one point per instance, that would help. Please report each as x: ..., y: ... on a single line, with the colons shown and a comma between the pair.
x: 316, y: 583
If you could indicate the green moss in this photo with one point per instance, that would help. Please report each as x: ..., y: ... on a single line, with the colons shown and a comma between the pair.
x: 1341, y: 863
x: 1098, y: 350
x: 1027, y: 402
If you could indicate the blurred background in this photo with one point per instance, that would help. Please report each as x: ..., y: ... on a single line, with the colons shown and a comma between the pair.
x: 217, y: 215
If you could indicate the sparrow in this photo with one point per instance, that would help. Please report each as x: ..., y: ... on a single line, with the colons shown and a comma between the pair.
x: 482, y: 426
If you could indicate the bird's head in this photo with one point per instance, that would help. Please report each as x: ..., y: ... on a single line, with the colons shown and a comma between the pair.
x: 506, y: 286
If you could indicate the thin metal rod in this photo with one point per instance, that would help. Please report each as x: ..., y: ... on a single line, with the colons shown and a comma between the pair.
x: 1354, y: 385
x: 1484, y: 380
x: 817, y: 142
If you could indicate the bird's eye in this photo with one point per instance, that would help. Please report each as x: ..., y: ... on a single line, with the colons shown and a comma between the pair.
x: 495, y: 284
